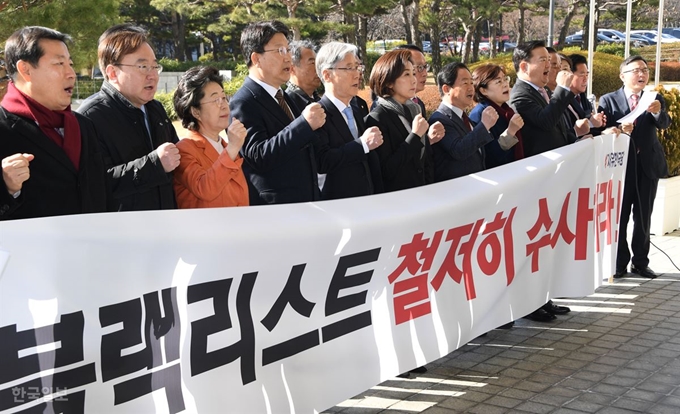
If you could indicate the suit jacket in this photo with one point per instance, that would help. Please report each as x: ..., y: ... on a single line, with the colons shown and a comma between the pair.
x: 55, y: 187
x: 359, y: 104
x: 279, y: 158
x: 644, y: 137
x: 402, y: 161
x: 205, y: 178
x: 494, y: 155
x: 460, y: 152
x: 544, y: 125
x: 350, y: 172
x: 300, y: 97
x: 136, y: 173
x: 579, y: 110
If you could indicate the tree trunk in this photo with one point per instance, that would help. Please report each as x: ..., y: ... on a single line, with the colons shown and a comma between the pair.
x: 476, y: 38
x: 520, y: 22
x: 492, y: 40
x: 435, y: 34
x: 362, y: 29
x: 291, y: 7
x: 179, y: 34
x: 572, y: 9
x: 465, y: 58
x: 403, y: 6
x: 415, y: 22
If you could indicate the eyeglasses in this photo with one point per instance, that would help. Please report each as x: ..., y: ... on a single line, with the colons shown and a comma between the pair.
x: 145, y: 69
x: 421, y: 68
x: 637, y: 71
x: 283, y: 50
x: 500, y: 81
x: 217, y: 102
x: 358, y: 68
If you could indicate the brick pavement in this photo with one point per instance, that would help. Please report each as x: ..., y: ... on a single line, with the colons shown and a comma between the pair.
x: 618, y: 351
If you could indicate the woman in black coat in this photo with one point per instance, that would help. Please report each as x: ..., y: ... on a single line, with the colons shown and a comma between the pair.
x: 405, y: 156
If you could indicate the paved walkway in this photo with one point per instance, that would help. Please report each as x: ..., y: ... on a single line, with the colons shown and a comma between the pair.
x: 618, y: 351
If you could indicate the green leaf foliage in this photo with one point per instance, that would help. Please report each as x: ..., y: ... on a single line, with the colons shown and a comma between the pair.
x: 670, y: 137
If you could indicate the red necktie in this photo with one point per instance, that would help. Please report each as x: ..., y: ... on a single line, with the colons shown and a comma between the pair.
x: 466, y: 121
x: 633, y: 102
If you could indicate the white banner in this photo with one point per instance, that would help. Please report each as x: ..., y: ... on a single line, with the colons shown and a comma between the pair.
x: 294, y: 308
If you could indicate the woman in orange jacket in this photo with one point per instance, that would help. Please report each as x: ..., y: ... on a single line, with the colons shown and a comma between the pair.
x: 209, y: 173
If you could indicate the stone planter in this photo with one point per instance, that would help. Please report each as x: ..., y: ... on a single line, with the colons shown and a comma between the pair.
x: 666, y: 213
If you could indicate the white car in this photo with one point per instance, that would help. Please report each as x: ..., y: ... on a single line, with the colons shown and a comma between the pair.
x: 652, y: 34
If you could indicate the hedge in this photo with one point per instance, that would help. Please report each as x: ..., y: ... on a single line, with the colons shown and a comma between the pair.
x: 670, y: 137
x: 605, y: 69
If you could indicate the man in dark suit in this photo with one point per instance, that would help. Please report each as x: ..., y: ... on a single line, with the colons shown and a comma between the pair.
x: 580, y: 110
x: 279, y: 157
x: 304, y: 81
x: 461, y: 151
x: 344, y: 148
x: 51, y: 163
x: 544, y: 127
x: 646, y: 162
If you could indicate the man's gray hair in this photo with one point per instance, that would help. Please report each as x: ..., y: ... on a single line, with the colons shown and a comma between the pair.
x: 296, y: 48
x: 332, y: 53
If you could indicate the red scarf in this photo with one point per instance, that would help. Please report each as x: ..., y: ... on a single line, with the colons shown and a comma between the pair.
x: 506, y: 112
x: 24, y: 106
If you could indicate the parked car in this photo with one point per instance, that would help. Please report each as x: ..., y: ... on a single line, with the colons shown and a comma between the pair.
x: 652, y: 34
x: 577, y: 39
x: 644, y: 40
x: 509, y: 46
x: 673, y: 31
x: 427, y: 47
x: 635, y: 41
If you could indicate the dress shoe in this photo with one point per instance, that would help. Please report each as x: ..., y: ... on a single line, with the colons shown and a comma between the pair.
x: 644, y: 272
x: 539, y: 315
x: 553, y: 309
x: 508, y: 325
x: 620, y: 273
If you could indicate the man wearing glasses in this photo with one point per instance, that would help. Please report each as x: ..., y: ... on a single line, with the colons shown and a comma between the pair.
x: 580, y: 111
x: 137, y: 138
x: 280, y: 164
x: 344, y: 148
x: 646, y: 162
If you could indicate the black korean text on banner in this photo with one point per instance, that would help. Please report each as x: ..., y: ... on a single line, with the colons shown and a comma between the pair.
x: 156, y: 373
x: 69, y: 333
x: 335, y: 303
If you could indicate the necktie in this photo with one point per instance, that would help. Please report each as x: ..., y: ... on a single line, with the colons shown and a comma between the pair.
x: 350, y: 122
x: 466, y: 121
x: 415, y: 99
x: 633, y: 102
x: 283, y: 104
x: 544, y: 94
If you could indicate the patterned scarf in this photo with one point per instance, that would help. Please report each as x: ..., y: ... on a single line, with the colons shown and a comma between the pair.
x: 506, y: 112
